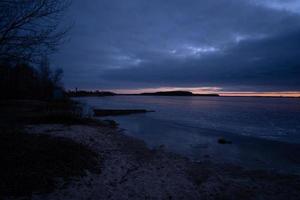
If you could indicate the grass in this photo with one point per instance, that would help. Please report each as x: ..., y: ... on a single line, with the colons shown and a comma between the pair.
x: 31, y: 163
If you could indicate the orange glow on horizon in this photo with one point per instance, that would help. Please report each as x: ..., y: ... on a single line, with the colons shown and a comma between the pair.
x: 262, y: 94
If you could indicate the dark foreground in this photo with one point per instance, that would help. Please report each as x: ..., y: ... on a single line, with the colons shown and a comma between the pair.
x: 128, y: 169
x: 30, y: 162
x: 33, y: 162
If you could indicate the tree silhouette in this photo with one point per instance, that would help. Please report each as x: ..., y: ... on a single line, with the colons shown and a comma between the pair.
x: 30, y: 29
x: 23, y: 81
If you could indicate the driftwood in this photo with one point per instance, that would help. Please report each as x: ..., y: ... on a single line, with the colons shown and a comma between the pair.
x: 114, y: 112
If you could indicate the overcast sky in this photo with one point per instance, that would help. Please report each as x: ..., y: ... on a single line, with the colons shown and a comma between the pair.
x: 227, y: 45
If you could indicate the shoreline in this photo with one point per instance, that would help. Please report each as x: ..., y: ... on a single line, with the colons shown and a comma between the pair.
x: 253, y: 153
x: 130, y: 170
x: 134, y: 171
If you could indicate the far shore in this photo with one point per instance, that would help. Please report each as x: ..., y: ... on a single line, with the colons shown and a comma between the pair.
x: 97, y: 93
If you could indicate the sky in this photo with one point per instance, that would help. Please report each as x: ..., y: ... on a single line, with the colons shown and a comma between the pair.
x: 231, y: 47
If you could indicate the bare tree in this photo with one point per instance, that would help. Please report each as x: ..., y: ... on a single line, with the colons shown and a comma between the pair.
x: 30, y: 29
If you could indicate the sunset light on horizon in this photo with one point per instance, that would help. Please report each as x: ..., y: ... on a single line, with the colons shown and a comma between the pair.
x: 209, y: 90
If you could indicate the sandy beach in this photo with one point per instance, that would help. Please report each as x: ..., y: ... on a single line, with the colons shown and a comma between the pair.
x: 132, y: 171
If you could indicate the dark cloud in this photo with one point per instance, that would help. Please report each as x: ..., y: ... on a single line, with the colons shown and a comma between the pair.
x: 271, y: 63
x: 227, y: 43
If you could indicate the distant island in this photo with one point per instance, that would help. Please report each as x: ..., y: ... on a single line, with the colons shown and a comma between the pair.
x: 177, y: 93
x: 83, y: 93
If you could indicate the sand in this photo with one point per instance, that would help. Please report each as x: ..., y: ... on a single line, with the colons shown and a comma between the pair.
x: 132, y: 171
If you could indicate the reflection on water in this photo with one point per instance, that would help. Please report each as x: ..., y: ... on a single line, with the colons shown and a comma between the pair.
x: 192, y: 125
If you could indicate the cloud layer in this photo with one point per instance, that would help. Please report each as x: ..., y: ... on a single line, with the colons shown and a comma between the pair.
x: 233, y: 44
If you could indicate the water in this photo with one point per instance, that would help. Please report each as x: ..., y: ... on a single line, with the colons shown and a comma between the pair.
x: 265, y: 131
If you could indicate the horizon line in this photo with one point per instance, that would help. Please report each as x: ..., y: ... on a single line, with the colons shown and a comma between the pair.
x: 295, y: 94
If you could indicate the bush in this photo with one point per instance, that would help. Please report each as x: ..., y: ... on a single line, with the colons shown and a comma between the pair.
x: 23, y: 81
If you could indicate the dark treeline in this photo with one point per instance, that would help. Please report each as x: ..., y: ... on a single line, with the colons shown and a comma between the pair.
x: 176, y: 93
x: 22, y: 81
x: 84, y: 93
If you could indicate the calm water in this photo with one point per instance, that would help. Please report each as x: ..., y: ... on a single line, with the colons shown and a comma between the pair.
x: 265, y: 131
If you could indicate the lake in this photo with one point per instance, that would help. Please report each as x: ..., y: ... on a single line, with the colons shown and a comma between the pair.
x: 265, y: 132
